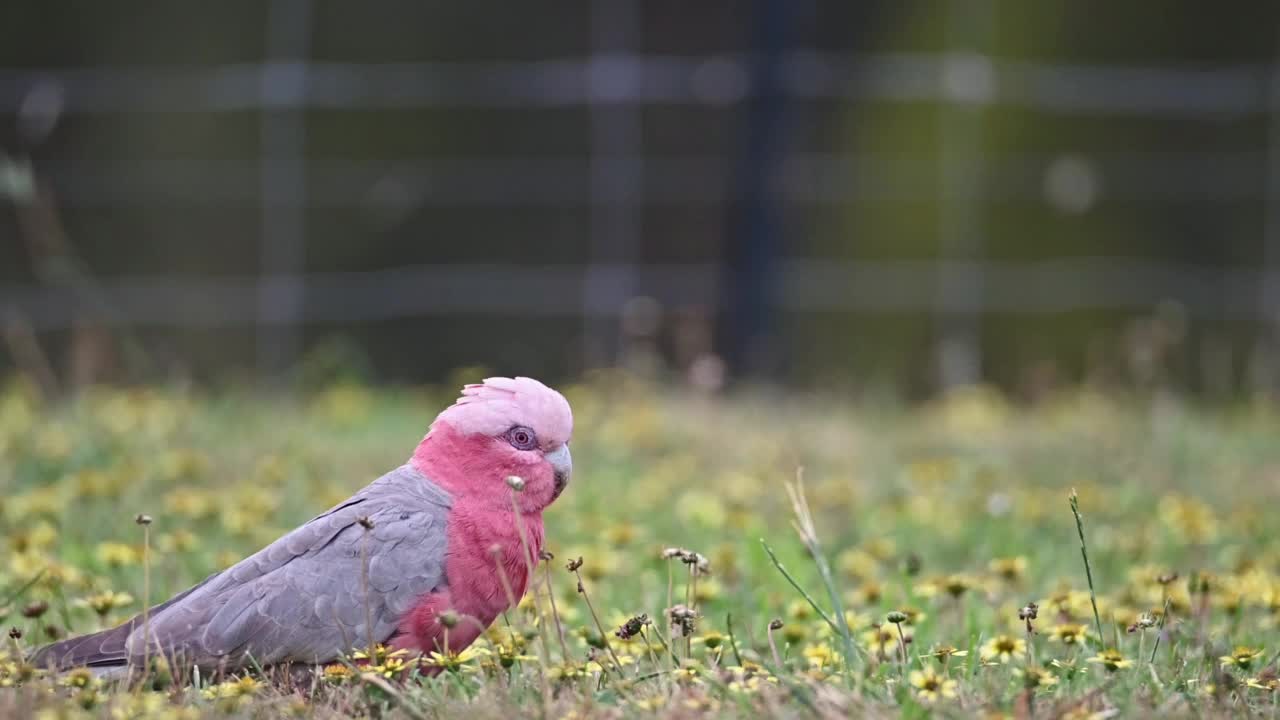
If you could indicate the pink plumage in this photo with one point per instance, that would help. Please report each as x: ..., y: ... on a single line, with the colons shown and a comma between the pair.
x: 465, y: 454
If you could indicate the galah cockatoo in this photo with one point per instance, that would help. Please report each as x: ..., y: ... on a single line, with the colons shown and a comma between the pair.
x: 434, y: 535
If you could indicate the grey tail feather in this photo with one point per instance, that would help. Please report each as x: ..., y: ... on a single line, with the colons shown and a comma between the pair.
x: 105, y: 648
x: 100, y: 649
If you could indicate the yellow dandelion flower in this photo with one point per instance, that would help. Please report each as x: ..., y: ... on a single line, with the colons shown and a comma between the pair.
x: 795, y: 633
x: 1002, y: 648
x: 868, y: 593
x: 749, y: 678
x: 956, y: 585
x: 931, y: 687
x: 337, y: 673
x: 711, y: 639
x: 455, y: 662
x: 1010, y: 569
x: 1241, y: 658
x: 42, y: 536
x: 380, y: 654
x: 1068, y: 668
x: 1069, y: 634
x: 708, y: 589
x: 1111, y: 659
x: 884, y: 640
x: 1270, y: 684
x: 1036, y: 677
x: 799, y: 610
x: 79, y: 678
x: 180, y: 541
x: 1193, y: 520
x: 944, y: 653
x: 233, y: 689
x: 821, y: 655
x: 915, y: 616
x: 392, y: 667
x: 858, y: 564
x: 689, y: 673
x: 508, y: 654
x: 190, y: 502
x: 104, y: 602
x: 117, y: 555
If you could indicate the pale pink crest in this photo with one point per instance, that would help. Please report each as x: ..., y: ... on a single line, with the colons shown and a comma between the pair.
x: 498, y: 404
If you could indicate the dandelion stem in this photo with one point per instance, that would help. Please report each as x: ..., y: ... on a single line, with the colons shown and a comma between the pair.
x: 675, y: 661
x: 653, y: 657
x: 670, y: 584
x: 604, y: 637
x: 146, y: 596
x: 542, y: 626
x: 364, y: 590
x: 733, y: 643
x: 688, y: 602
x: 1159, y: 631
x: 496, y: 552
x: 902, y: 645
x: 773, y: 648
x: 1084, y: 553
x: 555, y: 612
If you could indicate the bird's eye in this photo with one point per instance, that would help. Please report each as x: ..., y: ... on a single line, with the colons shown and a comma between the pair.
x: 522, y: 438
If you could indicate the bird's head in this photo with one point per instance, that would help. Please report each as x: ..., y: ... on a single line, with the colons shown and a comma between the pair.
x: 499, y: 429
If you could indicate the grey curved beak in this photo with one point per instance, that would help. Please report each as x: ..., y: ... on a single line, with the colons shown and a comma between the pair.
x: 562, y: 463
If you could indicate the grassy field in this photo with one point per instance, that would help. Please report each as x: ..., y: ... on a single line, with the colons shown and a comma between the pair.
x: 947, y: 577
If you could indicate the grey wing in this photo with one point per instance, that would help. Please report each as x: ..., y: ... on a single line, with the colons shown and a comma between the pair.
x: 303, y: 598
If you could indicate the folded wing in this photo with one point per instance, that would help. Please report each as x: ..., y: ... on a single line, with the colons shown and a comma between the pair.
x: 302, y: 598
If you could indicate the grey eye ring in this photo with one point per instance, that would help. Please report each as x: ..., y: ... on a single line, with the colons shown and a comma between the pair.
x: 522, y: 438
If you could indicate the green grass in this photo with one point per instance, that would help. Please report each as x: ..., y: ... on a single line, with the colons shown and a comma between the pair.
x: 955, y: 514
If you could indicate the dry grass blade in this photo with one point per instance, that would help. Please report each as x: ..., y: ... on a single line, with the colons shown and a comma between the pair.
x: 805, y: 528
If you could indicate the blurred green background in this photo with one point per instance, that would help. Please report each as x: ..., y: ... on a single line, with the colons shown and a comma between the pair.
x: 908, y: 194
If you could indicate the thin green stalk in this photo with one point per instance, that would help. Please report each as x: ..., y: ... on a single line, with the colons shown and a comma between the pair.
x: 667, y: 649
x: 653, y: 656
x: 1084, y: 553
x: 1159, y: 631
x: 575, y: 568
x: 805, y: 528
x: 733, y: 643
x: 367, y: 524
x: 517, y: 485
x: 1142, y: 644
x: 812, y: 603
x: 145, y: 522
x: 25, y: 587
x: 902, y: 647
x: 555, y: 612
x: 841, y: 629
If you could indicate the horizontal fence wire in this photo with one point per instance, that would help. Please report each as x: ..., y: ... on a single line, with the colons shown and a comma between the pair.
x: 1016, y: 288
x: 1070, y: 88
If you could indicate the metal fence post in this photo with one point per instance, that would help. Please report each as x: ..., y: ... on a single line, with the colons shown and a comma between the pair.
x: 616, y: 175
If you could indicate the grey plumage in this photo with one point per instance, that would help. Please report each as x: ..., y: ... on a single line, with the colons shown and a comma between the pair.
x: 300, y: 599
